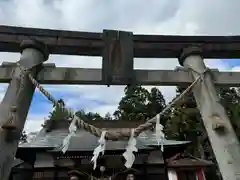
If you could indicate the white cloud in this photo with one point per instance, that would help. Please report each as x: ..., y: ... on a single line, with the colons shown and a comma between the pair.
x: 236, y: 69
x: 34, y: 123
x: 215, y: 17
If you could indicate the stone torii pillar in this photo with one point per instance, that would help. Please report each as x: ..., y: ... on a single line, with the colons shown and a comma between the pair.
x: 17, y: 100
x: 219, y: 129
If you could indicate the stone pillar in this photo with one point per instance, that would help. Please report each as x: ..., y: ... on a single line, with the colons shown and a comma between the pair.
x: 219, y: 129
x: 19, y: 95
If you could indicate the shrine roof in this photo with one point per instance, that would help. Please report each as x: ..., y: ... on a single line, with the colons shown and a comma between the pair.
x: 84, y: 141
x: 17, y: 162
x: 187, y: 160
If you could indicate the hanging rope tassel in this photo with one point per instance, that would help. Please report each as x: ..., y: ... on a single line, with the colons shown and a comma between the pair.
x: 131, y: 147
x: 72, y: 132
x: 100, y: 149
x: 160, y: 136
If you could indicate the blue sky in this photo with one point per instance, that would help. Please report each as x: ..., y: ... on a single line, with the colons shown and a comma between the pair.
x: 82, y: 103
x: 183, y: 17
x: 232, y: 62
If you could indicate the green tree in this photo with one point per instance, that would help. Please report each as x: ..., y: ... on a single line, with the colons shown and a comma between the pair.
x: 88, y: 115
x: 184, y: 123
x: 108, y: 117
x: 133, y: 104
x: 81, y: 114
x: 230, y: 99
x: 140, y: 104
x: 93, y: 116
x: 155, y: 104
x: 59, y: 113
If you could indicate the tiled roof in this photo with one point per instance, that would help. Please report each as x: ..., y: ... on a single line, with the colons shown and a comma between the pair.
x: 84, y: 141
x: 17, y: 162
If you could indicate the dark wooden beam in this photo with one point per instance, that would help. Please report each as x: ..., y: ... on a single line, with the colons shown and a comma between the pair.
x: 145, y: 46
x: 60, y: 75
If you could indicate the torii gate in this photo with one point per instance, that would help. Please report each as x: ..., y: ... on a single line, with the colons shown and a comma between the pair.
x: 118, y: 48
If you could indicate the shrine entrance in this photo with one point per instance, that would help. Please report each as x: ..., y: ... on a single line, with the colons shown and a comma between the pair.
x: 118, y: 49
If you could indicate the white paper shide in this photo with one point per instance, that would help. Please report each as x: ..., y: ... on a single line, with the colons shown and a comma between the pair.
x: 100, y: 149
x: 130, y: 149
x: 160, y: 136
x: 72, y: 131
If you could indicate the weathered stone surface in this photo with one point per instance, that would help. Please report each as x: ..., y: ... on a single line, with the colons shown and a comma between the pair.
x: 181, y: 77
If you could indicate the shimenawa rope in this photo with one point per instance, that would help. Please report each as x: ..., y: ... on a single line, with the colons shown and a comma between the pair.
x: 96, y: 131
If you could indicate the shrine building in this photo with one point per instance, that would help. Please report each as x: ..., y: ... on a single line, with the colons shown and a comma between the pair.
x: 42, y: 158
